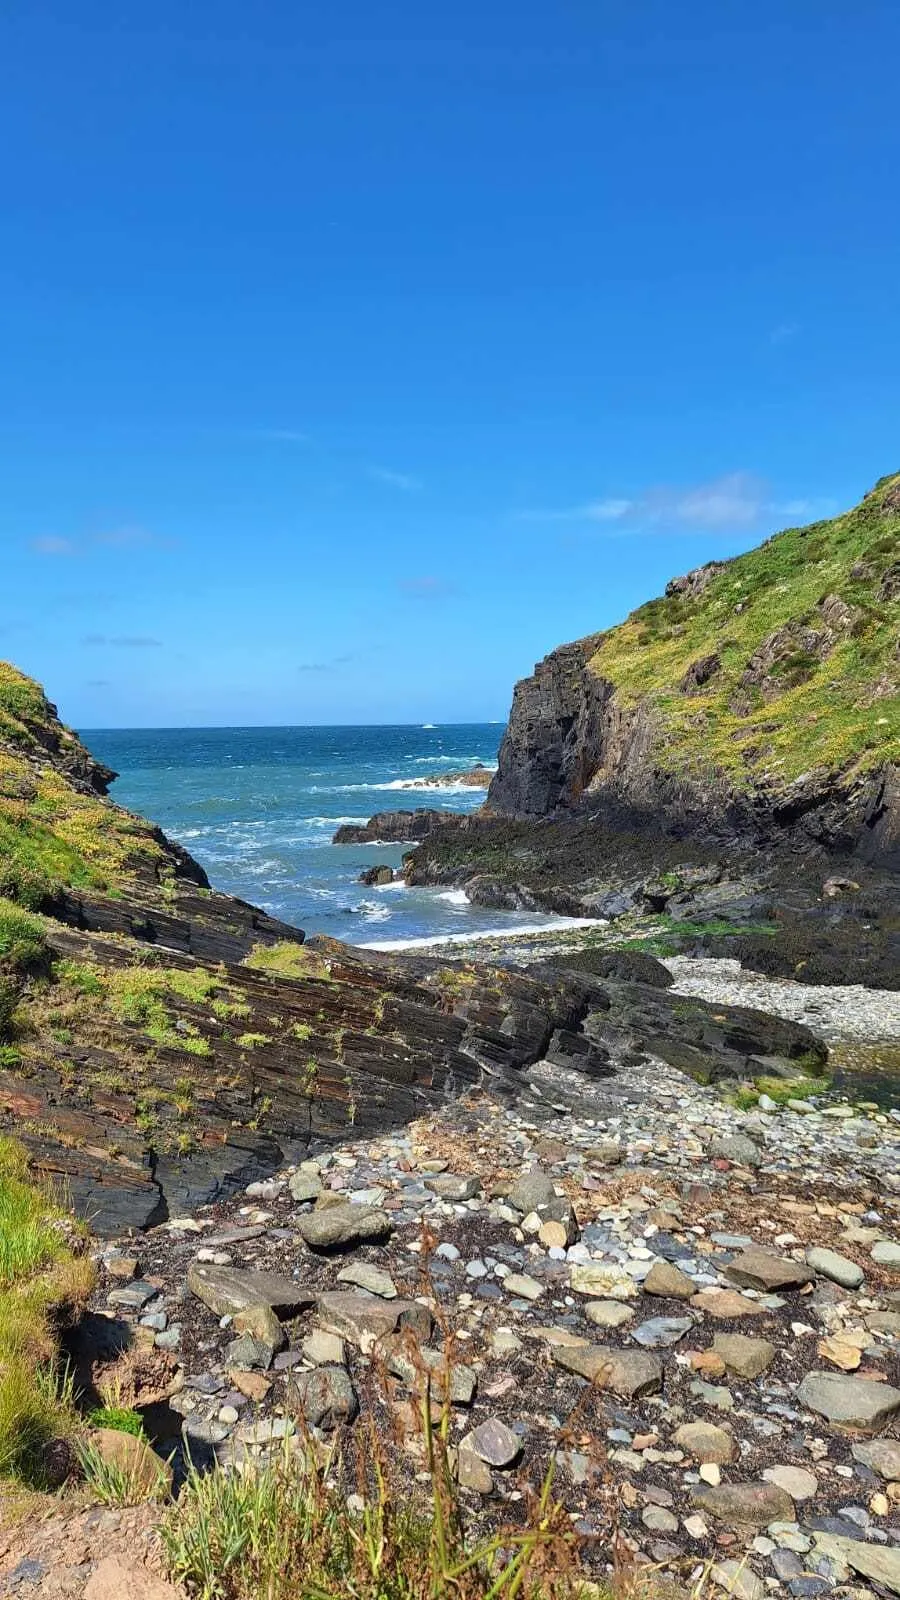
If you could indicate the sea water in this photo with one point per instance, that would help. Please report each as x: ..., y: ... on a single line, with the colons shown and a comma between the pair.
x: 257, y: 807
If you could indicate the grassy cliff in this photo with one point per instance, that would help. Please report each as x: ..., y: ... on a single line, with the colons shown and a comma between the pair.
x: 781, y: 660
x: 57, y: 829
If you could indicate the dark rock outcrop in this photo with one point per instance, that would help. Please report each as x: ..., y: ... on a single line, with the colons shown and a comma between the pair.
x: 399, y: 827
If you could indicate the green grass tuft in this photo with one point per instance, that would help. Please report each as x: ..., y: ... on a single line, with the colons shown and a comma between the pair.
x: 840, y: 712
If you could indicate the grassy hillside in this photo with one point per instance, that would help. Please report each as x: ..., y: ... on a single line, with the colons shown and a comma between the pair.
x: 56, y: 827
x: 782, y: 660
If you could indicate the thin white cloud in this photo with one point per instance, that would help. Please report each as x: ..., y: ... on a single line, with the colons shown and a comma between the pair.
x: 49, y: 545
x: 783, y: 331
x: 428, y: 586
x: 395, y: 480
x: 130, y: 538
x: 736, y: 500
x: 123, y: 641
x: 283, y: 435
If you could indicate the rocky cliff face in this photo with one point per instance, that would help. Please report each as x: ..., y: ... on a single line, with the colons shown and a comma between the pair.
x: 760, y: 695
x: 161, y: 1043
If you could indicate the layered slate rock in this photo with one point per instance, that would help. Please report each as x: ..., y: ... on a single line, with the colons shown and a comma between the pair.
x: 365, y: 1319
x: 849, y: 1402
x: 630, y: 1373
x: 338, y: 1227
x: 230, y: 1290
x: 762, y: 1269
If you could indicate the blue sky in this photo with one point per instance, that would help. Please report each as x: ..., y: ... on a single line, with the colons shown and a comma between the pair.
x: 354, y: 356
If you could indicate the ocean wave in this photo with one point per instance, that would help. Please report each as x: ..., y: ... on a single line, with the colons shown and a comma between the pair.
x: 458, y: 761
x: 394, y: 784
x: 516, y: 931
x: 372, y: 911
x: 432, y: 785
x: 455, y: 897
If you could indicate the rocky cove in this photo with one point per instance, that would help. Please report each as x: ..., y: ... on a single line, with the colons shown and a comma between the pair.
x: 609, y: 1201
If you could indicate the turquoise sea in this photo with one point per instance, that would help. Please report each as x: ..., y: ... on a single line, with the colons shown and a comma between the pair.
x: 258, y: 806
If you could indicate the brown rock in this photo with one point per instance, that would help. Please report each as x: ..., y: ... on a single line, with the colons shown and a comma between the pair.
x: 749, y: 1358
x: 706, y: 1362
x: 752, y: 1504
x: 251, y: 1384
x: 705, y: 1442
x: 726, y: 1305
x: 364, y: 1319
x: 630, y: 1373
x: 762, y: 1269
x: 669, y: 1281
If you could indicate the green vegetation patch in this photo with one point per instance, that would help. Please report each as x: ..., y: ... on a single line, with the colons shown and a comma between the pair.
x: 289, y: 960
x: 142, y: 996
x: 51, y: 834
x: 41, y: 1278
x: 832, y: 705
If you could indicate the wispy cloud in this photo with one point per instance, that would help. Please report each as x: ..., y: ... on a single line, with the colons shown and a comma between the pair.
x: 131, y: 538
x: 123, y: 641
x: 427, y: 586
x: 331, y: 665
x: 128, y: 537
x: 736, y: 500
x: 98, y: 683
x: 283, y: 435
x: 50, y: 545
x: 395, y: 480
x: 783, y: 331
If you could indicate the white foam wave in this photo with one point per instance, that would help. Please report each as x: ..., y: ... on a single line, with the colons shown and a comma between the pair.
x: 372, y: 911
x: 558, y: 926
x: 394, y: 784
x: 436, y: 784
x: 455, y: 897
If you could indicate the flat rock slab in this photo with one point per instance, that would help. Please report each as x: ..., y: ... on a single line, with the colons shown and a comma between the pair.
x: 800, y: 1484
x: 660, y: 1332
x: 449, y: 1187
x: 667, y: 1280
x: 133, y: 1296
x: 881, y: 1456
x: 705, y: 1442
x: 840, y: 1269
x: 338, y: 1227
x: 752, y: 1505
x: 228, y: 1290
x: 630, y: 1373
x: 877, y: 1562
x: 739, y: 1580
x: 762, y: 1269
x: 526, y: 1287
x: 608, y: 1313
x: 748, y: 1357
x: 364, y: 1318
x: 368, y: 1277
x: 726, y: 1305
x: 849, y: 1402
x: 494, y: 1443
